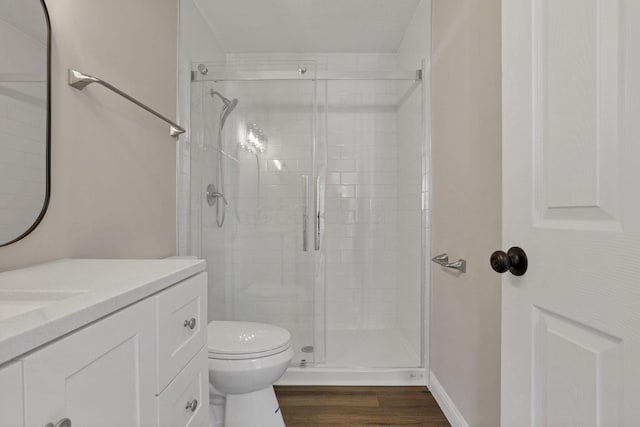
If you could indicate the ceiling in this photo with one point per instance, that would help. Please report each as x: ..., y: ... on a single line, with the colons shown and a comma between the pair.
x: 337, y: 26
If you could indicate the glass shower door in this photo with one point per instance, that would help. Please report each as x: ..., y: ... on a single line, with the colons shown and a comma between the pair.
x: 263, y: 260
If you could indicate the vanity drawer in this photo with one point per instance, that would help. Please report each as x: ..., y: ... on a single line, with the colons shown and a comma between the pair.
x: 181, y: 326
x: 185, y: 402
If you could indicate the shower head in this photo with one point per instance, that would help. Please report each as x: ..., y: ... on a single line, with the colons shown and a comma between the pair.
x: 229, y: 105
x: 228, y: 108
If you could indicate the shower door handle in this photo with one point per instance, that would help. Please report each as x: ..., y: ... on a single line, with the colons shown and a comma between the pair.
x: 305, y: 211
x: 317, y: 202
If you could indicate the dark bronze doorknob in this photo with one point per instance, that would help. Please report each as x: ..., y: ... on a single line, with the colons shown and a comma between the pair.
x: 514, y: 261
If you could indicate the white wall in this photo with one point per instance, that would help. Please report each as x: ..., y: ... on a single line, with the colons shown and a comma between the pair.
x: 113, y: 164
x: 466, y: 149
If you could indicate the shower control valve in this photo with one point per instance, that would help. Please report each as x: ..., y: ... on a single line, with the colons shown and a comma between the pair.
x: 213, y: 195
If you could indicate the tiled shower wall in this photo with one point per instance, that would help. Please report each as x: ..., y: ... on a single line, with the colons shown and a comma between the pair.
x: 361, y: 198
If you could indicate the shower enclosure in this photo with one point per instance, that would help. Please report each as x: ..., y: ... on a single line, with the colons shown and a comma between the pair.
x: 309, y: 192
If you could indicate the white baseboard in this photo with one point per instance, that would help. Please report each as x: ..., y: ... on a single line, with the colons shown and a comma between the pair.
x: 449, y: 408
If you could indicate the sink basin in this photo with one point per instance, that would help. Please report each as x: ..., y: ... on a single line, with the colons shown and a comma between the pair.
x: 15, y: 302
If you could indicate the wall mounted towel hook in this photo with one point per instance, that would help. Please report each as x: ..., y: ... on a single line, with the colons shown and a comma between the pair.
x: 443, y: 260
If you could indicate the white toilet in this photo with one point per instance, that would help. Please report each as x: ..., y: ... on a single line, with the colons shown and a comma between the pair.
x: 245, y: 360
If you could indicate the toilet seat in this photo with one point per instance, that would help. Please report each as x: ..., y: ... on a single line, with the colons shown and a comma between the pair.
x: 229, y: 340
x: 246, y: 356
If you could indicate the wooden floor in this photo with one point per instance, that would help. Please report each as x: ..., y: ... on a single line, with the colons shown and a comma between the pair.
x: 359, y: 406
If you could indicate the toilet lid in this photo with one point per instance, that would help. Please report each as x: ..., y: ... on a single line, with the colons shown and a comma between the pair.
x: 236, y: 338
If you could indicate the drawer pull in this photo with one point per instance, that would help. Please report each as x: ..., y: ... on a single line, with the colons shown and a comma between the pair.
x: 191, y: 323
x: 192, y: 405
x: 65, y: 422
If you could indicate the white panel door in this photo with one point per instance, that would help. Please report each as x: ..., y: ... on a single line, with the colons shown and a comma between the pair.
x: 571, y: 200
x: 100, y: 376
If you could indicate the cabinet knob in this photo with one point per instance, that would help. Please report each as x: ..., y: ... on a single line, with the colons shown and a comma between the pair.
x: 191, y: 323
x: 192, y: 405
x: 65, y: 422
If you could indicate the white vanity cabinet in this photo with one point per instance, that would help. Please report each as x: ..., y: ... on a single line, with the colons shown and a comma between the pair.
x: 11, y: 395
x: 101, y: 375
x: 143, y: 365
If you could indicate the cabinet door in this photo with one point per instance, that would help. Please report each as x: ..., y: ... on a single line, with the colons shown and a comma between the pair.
x: 101, y: 375
x: 11, y: 395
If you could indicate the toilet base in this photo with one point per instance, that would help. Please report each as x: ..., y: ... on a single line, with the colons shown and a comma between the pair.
x: 257, y: 409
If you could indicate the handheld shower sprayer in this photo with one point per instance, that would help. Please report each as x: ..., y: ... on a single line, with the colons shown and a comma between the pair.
x: 229, y: 105
x: 212, y: 194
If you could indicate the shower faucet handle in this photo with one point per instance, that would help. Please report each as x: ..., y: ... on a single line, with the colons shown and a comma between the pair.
x: 221, y: 196
x: 213, y: 195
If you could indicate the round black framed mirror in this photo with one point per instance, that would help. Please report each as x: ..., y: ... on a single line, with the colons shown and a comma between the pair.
x: 25, y: 117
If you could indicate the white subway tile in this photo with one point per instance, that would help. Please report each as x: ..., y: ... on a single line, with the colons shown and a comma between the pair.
x: 341, y: 165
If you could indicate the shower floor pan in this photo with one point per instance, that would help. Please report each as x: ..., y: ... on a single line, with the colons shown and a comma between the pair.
x: 370, y: 357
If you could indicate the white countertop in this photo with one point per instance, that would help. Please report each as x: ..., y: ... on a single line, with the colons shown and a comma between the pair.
x: 102, y: 286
